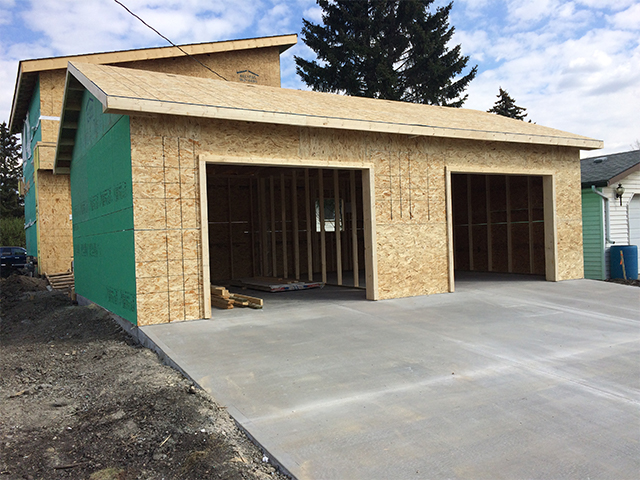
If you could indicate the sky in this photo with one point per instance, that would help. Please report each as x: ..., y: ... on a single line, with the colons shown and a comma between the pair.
x: 574, y: 65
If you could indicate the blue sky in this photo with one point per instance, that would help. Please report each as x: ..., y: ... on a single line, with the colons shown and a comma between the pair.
x: 575, y: 65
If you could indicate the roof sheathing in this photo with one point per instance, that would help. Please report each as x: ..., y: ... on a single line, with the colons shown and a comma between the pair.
x: 129, y: 91
x: 28, y: 69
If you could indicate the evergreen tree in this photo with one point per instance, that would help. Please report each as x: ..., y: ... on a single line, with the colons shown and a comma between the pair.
x: 390, y: 49
x: 11, y: 205
x: 506, y: 106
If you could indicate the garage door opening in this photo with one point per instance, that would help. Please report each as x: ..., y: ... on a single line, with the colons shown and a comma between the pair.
x: 294, y: 224
x: 498, y: 223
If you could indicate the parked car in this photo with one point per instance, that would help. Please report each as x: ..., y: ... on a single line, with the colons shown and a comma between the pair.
x: 13, y: 259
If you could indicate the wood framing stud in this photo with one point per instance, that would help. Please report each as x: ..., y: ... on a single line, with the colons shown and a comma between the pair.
x: 354, y: 229
x: 308, y: 214
x: 337, y: 216
x: 323, y: 241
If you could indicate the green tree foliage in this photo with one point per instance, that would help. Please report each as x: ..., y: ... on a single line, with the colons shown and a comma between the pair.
x: 390, y: 49
x: 506, y: 106
x: 11, y: 205
x: 12, y: 232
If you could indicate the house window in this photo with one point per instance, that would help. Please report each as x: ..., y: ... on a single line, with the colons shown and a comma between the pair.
x: 330, y: 215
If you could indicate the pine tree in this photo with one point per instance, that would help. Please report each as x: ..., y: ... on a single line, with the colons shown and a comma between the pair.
x: 11, y: 205
x: 390, y: 49
x: 506, y: 106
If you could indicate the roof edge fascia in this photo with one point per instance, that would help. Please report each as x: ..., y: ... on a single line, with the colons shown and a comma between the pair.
x: 623, y: 174
x: 155, y: 53
x: 14, y: 102
x: 88, y: 85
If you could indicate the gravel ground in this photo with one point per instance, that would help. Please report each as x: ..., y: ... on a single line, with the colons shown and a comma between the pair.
x: 80, y: 399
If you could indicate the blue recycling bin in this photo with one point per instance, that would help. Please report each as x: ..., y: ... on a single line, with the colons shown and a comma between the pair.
x: 624, y: 261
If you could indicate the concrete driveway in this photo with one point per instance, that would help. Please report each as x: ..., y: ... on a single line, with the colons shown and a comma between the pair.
x: 510, y: 377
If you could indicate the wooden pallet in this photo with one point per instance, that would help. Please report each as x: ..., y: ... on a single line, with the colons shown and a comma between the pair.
x: 61, y: 281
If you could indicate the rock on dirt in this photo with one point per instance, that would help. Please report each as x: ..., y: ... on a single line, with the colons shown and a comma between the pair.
x: 80, y: 399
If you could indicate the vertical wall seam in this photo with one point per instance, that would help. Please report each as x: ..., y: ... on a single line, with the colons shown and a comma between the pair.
x: 166, y: 236
x: 200, y: 250
x: 184, y: 293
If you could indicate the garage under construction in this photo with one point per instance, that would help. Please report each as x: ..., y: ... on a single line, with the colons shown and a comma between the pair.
x: 229, y: 183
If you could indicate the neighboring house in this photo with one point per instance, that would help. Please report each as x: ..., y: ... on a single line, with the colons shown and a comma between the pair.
x: 606, y: 219
x: 178, y: 181
x: 37, y: 103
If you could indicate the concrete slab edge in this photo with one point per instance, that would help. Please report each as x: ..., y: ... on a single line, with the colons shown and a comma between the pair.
x: 161, y: 350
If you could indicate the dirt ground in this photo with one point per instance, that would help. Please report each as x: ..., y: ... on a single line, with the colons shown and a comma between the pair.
x: 79, y: 399
x: 633, y: 283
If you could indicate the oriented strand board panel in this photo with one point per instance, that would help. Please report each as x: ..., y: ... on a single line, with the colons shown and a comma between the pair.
x: 51, y: 94
x: 258, y: 67
x: 129, y: 90
x: 410, y: 193
x: 29, y: 69
x: 55, y: 243
x: 46, y: 156
x: 563, y: 163
x: 168, y: 249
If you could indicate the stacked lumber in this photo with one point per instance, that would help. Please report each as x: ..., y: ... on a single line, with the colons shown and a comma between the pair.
x: 224, y: 299
x: 61, y: 281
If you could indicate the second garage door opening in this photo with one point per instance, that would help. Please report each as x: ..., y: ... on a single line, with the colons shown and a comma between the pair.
x: 498, y: 223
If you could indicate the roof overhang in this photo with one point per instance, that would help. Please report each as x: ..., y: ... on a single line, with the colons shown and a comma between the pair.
x: 28, y: 70
x: 239, y: 102
x: 71, y: 106
x: 622, y: 175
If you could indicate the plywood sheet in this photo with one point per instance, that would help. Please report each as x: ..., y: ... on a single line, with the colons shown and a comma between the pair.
x: 129, y: 90
x: 55, y: 229
x: 166, y: 220
x: 410, y: 195
x: 259, y: 67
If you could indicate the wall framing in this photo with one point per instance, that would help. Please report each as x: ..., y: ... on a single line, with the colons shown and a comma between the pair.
x: 368, y: 176
x: 550, y: 214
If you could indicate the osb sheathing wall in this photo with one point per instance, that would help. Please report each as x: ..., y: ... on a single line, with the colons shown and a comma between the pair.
x: 51, y: 94
x: 55, y: 233
x: 410, y: 194
x: 260, y: 66
x: 167, y: 226
x: 55, y: 230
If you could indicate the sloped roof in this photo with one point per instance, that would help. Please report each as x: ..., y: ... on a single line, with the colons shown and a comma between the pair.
x: 129, y: 91
x: 606, y: 170
x: 28, y: 69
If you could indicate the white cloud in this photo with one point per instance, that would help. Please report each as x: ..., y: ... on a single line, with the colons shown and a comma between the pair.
x: 313, y: 15
x: 578, y: 70
x: 531, y: 10
x: 276, y: 19
x: 628, y: 19
x: 575, y: 65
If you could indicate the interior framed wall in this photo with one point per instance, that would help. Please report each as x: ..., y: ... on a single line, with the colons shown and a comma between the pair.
x: 519, y: 235
x: 281, y: 234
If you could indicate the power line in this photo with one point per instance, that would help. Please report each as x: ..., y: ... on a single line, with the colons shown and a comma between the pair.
x: 177, y: 46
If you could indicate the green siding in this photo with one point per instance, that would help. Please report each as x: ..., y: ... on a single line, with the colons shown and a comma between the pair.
x: 30, y: 207
x: 593, y: 235
x: 102, y: 203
